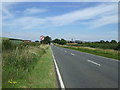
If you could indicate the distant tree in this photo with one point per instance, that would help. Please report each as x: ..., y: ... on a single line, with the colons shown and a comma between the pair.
x: 102, y: 41
x: 113, y: 41
x: 107, y: 42
x: 47, y: 40
x: 119, y: 45
x: 71, y: 41
x: 63, y: 42
x: 78, y: 41
x: 96, y: 42
x: 37, y: 41
x: 56, y: 41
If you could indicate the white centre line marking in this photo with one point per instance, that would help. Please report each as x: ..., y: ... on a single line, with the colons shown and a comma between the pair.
x: 72, y: 54
x: 94, y: 62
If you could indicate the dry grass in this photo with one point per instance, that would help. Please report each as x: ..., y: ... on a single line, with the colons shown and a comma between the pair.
x: 43, y: 46
x: 97, y: 51
x: 19, y: 62
x: 71, y: 44
x: 105, y: 50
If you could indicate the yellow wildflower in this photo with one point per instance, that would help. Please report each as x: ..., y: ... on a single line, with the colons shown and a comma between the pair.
x: 14, y: 82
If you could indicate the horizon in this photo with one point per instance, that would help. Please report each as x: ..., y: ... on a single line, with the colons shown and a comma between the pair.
x: 59, y: 39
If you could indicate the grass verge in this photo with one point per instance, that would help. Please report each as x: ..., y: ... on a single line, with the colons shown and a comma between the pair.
x: 96, y: 51
x: 27, y: 65
x: 43, y: 75
x: 18, y: 63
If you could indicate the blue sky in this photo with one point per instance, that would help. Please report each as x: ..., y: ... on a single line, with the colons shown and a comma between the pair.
x: 86, y: 21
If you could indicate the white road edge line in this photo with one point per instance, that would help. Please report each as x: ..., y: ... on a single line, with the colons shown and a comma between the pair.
x: 58, y: 72
x: 72, y: 54
x: 94, y: 62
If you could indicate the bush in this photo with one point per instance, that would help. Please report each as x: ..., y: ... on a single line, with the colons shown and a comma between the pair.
x: 100, y: 45
x: 7, y: 45
x: 62, y: 41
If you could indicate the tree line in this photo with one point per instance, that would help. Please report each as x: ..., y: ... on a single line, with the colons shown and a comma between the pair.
x: 113, y: 44
x: 48, y: 40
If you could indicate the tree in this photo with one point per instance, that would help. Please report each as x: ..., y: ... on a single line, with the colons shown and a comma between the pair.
x: 47, y: 40
x: 113, y: 41
x: 78, y: 41
x: 102, y: 41
x: 63, y: 42
x: 71, y: 42
x: 107, y: 42
x: 37, y: 41
x: 56, y: 41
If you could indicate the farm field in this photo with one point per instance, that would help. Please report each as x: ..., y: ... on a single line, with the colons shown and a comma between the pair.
x: 110, y: 53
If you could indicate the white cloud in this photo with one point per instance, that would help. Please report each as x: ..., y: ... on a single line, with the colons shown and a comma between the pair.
x: 102, y: 14
x: 6, y: 13
x: 98, y: 16
x: 34, y: 10
x: 99, y: 12
x: 103, y: 21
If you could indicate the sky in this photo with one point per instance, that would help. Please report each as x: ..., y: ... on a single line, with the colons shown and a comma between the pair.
x: 85, y: 21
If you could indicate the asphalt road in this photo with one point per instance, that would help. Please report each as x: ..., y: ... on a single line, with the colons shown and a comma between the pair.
x: 83, y: 70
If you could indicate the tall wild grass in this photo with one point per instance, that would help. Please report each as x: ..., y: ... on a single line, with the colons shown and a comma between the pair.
x: 18, y: 60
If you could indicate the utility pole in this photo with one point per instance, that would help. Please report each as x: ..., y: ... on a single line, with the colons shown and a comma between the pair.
x: 72, y: 39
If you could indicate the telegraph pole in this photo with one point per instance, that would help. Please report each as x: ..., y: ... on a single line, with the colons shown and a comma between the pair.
x: 72, y: 39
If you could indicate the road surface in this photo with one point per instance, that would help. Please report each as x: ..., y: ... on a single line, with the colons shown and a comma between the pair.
x: 83, y: 70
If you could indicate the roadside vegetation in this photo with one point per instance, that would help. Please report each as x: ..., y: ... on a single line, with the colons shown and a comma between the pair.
x: 98, y: 44
x: 43, y: 75
x: 108, y: 49
x: 27, y: 64
x: 1, y: 63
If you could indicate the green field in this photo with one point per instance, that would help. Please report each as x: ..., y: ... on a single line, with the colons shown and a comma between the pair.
x: 96, y: 51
